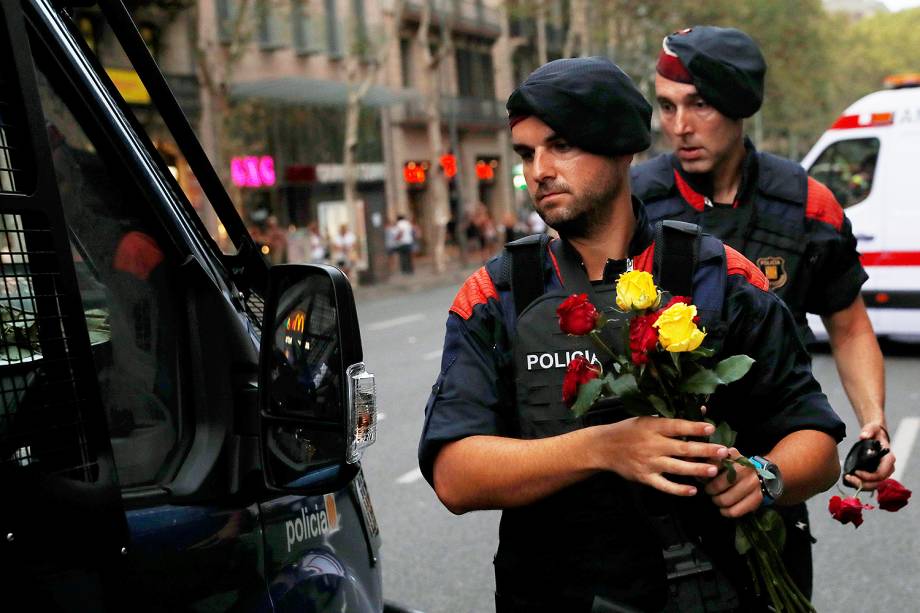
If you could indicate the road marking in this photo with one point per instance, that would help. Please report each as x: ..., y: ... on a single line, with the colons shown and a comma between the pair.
x: 432, y: 355
x: 903, y: 442
x: 396, y: 321
x: 410, y: 477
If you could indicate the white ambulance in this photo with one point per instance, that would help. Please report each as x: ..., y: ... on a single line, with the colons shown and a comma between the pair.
x: 870, y: 159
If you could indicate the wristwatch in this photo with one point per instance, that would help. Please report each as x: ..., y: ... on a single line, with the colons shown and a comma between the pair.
x: 770, y: 488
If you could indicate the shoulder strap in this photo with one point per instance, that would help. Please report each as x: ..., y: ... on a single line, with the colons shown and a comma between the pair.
x: 781, y: 178
x: 677, y: 255
x: 526, y: 264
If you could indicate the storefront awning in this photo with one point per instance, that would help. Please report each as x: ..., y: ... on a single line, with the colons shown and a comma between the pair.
x: 300, y: 90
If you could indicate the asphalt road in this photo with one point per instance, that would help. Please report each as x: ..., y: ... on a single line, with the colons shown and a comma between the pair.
x: 437, y: 562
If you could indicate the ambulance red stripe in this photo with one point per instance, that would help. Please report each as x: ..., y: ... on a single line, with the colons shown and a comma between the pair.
x: 890, y: 258
x: 847, y: 122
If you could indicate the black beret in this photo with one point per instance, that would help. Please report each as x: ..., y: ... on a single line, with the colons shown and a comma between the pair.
x: 726, y: 65
x: 588, y: 101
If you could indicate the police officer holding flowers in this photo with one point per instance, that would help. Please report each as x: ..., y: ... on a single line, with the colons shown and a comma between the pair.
x: 578, y: 491
x: 708, y: 80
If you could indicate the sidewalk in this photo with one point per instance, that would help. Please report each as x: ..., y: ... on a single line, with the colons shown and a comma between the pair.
x: 424, y: 278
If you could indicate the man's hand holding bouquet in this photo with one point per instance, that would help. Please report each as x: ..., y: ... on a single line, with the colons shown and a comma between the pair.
x: 669, y: 373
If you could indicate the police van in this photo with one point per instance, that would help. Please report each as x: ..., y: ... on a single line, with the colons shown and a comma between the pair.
x: 870, y: 159
x: 181, y: 426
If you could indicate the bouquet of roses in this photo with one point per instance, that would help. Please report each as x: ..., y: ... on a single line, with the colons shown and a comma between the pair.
x: 667, y: 373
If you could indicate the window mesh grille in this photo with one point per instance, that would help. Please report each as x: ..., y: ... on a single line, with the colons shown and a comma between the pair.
x: 255, y: 308
x: 13, y: 176
x: 41, y: 421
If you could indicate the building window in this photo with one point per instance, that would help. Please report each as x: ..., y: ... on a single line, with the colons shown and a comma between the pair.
x: 475, y: 71
x: 333, y: 34
x: 226, y: 14
x: 303, y: 28
x: 269, y: 26
x: 405, y: 61
x: 359, y: 26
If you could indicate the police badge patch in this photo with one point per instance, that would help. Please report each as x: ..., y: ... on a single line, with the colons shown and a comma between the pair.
x: 774, y: 268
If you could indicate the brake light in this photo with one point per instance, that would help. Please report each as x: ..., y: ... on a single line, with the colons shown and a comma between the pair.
x: 362, y: 411
x: 864, y: 120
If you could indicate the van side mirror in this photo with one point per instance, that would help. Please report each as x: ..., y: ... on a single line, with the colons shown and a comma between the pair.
x: 317, y: 403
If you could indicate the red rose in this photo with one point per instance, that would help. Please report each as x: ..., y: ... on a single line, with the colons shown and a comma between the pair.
x: 577, y: 315
x: 579, y: 371
x: 847, y: 510
x: 892, y: 495
x: 675, y: 300
x: 642, y: 337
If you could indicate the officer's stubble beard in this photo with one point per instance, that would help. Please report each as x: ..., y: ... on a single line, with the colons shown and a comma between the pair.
x: 591, y: 210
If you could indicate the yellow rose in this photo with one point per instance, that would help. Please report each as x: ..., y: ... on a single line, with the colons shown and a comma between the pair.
x: 676, y: 330
x: 636, y: 291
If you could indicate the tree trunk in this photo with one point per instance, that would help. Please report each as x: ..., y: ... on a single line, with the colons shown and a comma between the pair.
x: 439, y: 214
x: 542, y: 52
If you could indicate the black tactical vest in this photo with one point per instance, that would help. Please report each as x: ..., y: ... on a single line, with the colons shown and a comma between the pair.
x: 770, y: 230
x: 595, y: 537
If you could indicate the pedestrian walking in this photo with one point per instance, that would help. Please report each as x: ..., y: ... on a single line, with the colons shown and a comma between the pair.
x: 318, y: 249
x: 708, y: 81
x: 405, y: 244
x: 576, y: 533
x: 344, y: 249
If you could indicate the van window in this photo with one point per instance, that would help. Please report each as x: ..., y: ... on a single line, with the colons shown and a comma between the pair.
x: 847, y: 167
x: 125, y: 276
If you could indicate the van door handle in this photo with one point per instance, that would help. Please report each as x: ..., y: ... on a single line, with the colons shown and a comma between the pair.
x: 865, y: 237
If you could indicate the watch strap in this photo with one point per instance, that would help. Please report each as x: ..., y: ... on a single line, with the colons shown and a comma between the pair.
x: 762, y: 463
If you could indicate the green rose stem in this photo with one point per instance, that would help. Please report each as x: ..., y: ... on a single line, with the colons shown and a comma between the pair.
x: 768, y: 559
x: 664, y: 388
x: 596, y: 337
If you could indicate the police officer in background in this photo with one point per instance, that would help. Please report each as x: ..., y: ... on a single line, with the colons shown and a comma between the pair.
x: 576, y: 494
x: 708, y: 81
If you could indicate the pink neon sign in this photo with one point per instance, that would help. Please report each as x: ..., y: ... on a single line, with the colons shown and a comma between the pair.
x: 253, y: 171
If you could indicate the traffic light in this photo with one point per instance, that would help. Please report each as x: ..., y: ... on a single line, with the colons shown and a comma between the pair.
x: 449, y: 164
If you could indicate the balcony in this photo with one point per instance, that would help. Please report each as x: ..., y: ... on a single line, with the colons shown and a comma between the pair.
x: 467, y: 112
x: 468, y: 16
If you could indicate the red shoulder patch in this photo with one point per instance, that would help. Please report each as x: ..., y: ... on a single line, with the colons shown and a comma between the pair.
x: 645, y: 260
x: 477, y: 289
x: 822, y: 205
x: 737, y: 264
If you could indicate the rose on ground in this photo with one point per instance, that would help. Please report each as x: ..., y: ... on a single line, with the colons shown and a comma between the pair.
x: 892, y: 496
x: 636, y: 291
x: 578, y: 372
x: 577, y: 315
x: 642, y: 337
x: 847, y: 510
x: 677, y: 330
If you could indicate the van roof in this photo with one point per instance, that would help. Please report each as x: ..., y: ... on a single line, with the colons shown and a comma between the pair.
x: 882, y: 108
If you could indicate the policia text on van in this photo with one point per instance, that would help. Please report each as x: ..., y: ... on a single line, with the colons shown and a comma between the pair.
x: 152, y: 456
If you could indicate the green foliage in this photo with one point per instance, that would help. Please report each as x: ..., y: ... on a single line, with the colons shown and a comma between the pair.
x: 723, y: 435
x: 742, y: 543
x: 733, y: 368
x: 587, y: 394
x: 729, y: 370
x: 772, y: 524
